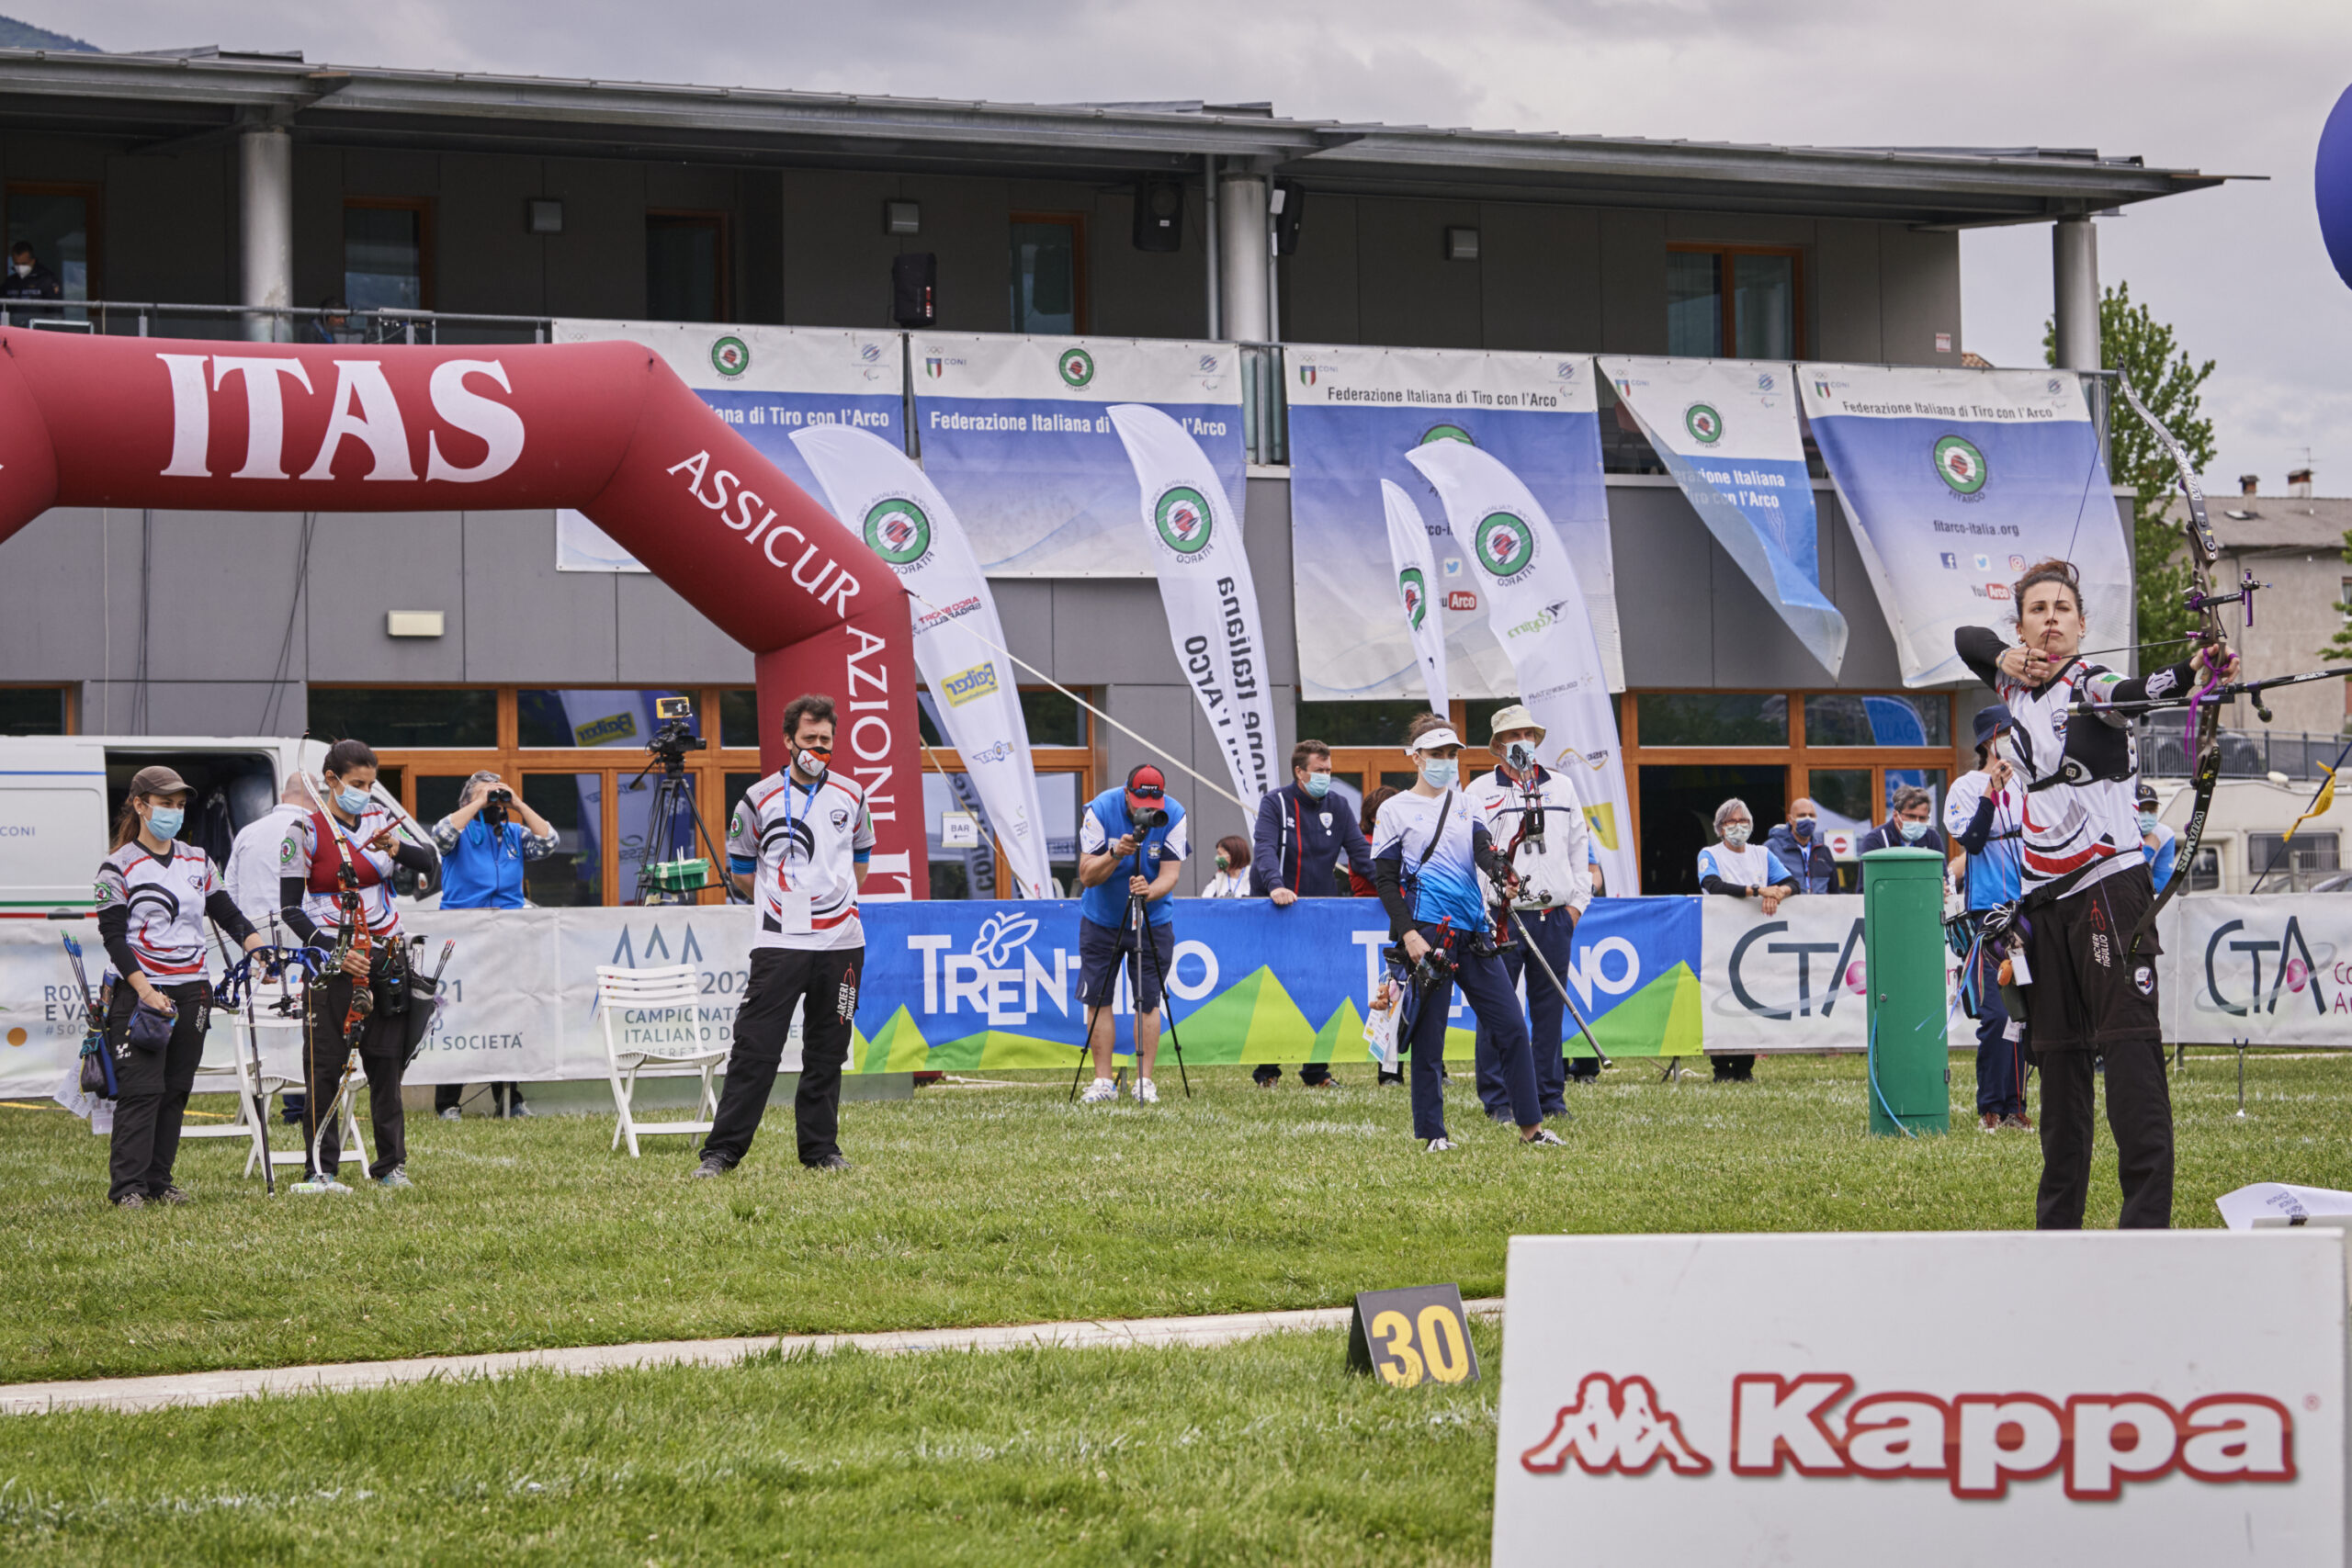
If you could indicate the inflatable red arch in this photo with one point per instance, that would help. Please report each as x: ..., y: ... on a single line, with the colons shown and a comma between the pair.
x: 603, y: 427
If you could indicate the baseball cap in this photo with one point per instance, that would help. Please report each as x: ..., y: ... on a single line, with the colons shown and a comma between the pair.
x: 1515, y: 716
x: 1147, y: 787
x: 158, y: 780
x: 2146, y: 795
x: 1990, y: 720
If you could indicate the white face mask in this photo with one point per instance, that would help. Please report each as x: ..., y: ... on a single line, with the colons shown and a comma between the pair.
x: 1735, y: 834
x: 1439, y: 773
x: 23, y: 270
x: 1912, y: 831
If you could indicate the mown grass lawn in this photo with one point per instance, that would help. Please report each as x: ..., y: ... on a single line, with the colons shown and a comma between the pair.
x: 1267, y: 1452
x: 1001, y: 1206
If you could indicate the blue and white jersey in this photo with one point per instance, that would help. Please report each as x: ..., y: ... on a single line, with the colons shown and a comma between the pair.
x: 1447, y: 884
x: 2162, y: 854
x: 1754, y: 866
x: 1105, y: 822
x: 1997, y: 873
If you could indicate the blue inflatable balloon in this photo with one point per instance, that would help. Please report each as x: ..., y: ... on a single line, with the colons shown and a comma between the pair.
x: 2332, y: 179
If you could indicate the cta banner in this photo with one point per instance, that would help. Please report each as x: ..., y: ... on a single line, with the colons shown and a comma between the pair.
x: 764, y: 381
x: 872, y: 486
x: 1409, y: 553
x: 1195, y: 535
x: 1846, y: 1399
x: 1017, y: 433
x: 1533, y: 596
x: 1726, y: 430
x: 2268, y: 971
x: 1954, y: 482
x: 1789, y: 981
x: 1354, y: 414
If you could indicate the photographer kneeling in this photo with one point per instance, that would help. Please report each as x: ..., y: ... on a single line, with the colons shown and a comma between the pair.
x: 482, y: 851
x: 1428, y: 850
x: 1149, y: 847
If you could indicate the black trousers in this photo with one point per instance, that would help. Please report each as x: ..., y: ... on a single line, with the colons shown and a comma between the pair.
x: 154, y: 1087
x: 781, y: 980
x: 2139, y: 1112
x: 382, y: 1057
x: 447, y: 1096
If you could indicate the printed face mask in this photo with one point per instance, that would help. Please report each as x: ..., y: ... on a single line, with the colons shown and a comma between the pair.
x: 1912, y: 831
x: 1735, y: 834
x: 164, y: 821
x: 1520, y: 755
x: 1224, y: 862
x: 1439, y: 773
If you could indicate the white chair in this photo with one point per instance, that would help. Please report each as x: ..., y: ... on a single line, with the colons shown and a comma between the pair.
x: 644, y: 995
x: 236, y: 1077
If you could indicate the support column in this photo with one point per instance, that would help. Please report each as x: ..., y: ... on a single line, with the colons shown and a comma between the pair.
x: 2074, y: 262
x: 266, y: 205
x: 1242, y: 268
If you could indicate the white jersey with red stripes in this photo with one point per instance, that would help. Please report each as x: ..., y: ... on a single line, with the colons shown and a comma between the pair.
x: 2068, y: 827
x: 165, y: 900
x: 804, y: 845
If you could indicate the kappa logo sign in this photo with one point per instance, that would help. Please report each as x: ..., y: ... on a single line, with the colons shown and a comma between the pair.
x: 1975, y: 1443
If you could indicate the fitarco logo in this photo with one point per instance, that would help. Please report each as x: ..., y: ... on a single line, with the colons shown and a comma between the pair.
x: 1506, y: 544
x: 1705, y: 425
x: 730, y: 357
x: 898, y: 530
x: 1814, y: 1426
x: 1961, y: 465
x: 1413, y: 589
x: 1077, y: 366
x: 1181, y: 515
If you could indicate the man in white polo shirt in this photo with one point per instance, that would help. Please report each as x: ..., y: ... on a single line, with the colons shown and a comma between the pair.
x: 798, y: 848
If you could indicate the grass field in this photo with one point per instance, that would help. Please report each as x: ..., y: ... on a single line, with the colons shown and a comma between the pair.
x: 999, y: 1205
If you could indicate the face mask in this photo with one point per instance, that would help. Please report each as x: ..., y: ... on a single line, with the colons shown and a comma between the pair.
x: 353, y: 801
x: 810, y: 762
x: 1520, y: 755
x: 23, y: 270
x: 164, y: 821
x: 1912, y: 831
x: 1735, y: 834
x: 1440, y: 773
x: 2147, y: 821
x: 1223, y: 863
x: 1318, y: 786
x: 1802, y: 826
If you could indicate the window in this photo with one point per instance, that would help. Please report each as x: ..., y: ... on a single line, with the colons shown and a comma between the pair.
x: 1051, y: 719
x: 384, y: 252
x: 685, y: 266
x: 1713, y: 719
x: 60, y: 222
x: 1048, y: 273
x: 591, y: 716
x: 738, y: 719
x: 1377, y: 725
x: 405, y: 717
x: 2344, y: 603
x: 33, y: 710
x: 1737, y: 301
x: 2205, y: 877
x: 2310, y: 851
x: 1841, y: 720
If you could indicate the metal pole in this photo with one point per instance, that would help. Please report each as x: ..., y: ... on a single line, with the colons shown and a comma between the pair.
x: 2075, y: 291
x: 265, y: 217
x: 1208, y: 240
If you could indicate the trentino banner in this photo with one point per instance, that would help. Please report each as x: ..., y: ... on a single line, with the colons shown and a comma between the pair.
x: 1354, y: 412
x: 1409, y: 553
x: 1954, y: 482
x: 871, y: 485
x: 1194, y: 536
x: 764, y: 381
x: 1726, y: 430
x: 1532, y: 604
x: 1016, y: 431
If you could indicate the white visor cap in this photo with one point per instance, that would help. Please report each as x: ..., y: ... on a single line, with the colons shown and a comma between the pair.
x: 1429, y: 740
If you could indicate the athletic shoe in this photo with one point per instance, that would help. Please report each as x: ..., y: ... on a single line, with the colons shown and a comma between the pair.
x: 130, y: 1200
x: 1102, y: 1091
x: 1437, y: 1145
x: 2019, y: 1121
x: 831, y: 1162
x: 520, y: 1109
x: 1989, y: 1122
x: 711, y: 1166
x: 319, y: 1184
x: 1146, y: 1093
x: 1545, y: 1137
x: 394, y: 1180
x: 1324, y: 1083
x: 451, y: 1115
x: 174, y: 1193
x: 1387, y: 1077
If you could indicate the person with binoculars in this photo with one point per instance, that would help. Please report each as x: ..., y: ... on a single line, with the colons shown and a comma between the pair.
x: 1429, y: 847
x: 484, y: 845
x: 1139, y: 830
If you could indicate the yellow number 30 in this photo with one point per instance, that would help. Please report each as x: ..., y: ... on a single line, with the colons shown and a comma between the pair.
x: 1401, y: 1364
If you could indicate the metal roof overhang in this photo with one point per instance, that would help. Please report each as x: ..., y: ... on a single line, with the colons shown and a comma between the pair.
x: 163, y: 104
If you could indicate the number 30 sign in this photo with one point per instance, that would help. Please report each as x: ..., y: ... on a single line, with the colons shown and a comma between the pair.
x: 1413, y: 1336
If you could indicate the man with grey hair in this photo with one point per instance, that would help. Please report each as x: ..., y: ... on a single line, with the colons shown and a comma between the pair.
x: 1910, y: 823
x: 483, y: 846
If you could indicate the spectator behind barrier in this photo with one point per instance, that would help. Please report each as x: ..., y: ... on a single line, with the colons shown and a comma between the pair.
x: 1799, y: 845
x: 1911, y: 825
x: 1984, y: 812
x: 483, y: 851
x: 1742, y: 870
x: 2156, y: 841
x: 1300, y: 837
x: 1232, y: 878
x: 1358, y: 883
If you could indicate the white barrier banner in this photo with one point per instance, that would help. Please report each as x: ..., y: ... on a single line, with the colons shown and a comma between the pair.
x: 2270, y: 971
x: 1887, y: 1397
x: 1788, y: 981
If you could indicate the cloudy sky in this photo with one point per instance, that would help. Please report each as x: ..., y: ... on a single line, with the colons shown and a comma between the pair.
x: 2235, y: 86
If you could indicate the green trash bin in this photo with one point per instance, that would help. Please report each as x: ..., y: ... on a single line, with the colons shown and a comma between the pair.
x: 1902, y: 969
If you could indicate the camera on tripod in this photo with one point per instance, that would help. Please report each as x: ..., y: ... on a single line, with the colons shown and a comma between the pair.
x: 1147, y: 818
x: 675, y: 737
x: 672, y: 872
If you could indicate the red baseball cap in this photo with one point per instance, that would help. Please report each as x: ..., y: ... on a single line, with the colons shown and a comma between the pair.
x: 1147, y: 787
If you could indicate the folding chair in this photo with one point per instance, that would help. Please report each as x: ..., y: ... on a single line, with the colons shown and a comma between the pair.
x: 233, y: 1077
x: 676, y: 991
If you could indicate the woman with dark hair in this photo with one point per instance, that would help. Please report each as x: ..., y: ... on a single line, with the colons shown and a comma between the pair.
x: 343, y: 849
x: 154, y: 897
x: 2082, y: 949
x: 1232, y: 878
x: 1362, y: 886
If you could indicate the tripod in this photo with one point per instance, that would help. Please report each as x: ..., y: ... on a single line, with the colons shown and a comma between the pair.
x: 671, y: 824
x: 1139, y: 924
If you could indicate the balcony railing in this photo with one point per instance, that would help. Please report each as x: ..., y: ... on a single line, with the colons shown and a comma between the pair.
x: 2245, y: 753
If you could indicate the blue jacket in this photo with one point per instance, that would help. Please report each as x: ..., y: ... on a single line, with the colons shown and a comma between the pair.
x: 1298, y: 841
x: 484, y: 871
x: 1814, y: 866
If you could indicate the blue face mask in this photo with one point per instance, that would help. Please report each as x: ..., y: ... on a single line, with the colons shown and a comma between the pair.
x: 2148, y: 821
x: 164, y: 821
x: 1318, y: 785
x: 1912, y: 831
x: 1441, y: 773
x: 1803, y: 828
x: 353, y: 801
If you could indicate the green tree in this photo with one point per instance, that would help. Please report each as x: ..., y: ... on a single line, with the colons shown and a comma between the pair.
x: 2130, y: 340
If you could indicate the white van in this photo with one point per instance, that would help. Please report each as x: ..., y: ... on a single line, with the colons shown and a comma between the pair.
x: 59, y: 795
